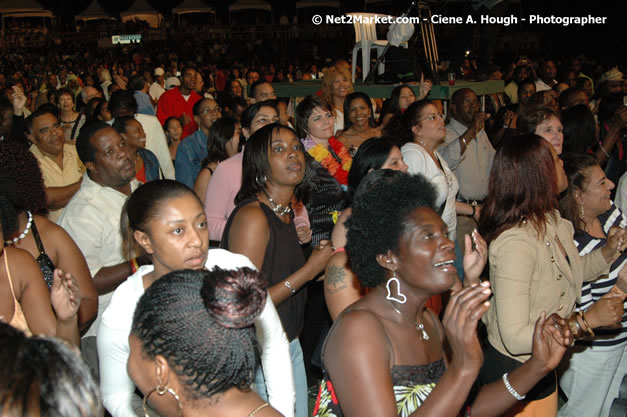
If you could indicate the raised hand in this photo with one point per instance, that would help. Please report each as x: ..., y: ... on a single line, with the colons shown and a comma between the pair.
x: 616, y: 242
x: 551, y: 338
x: 304, y: 234
x: 65, y: 295
x: 320, y: 255
x: 474, y: 259
x: 18, y: 99
x: 463, y: 311
x: 607, y: 311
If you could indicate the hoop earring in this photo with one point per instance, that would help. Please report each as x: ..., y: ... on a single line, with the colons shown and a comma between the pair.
x: 163, y: 391
x: 399, y: 297
x: 261, y: 181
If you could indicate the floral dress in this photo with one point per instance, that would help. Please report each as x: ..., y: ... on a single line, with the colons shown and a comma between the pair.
x: 412, y: 386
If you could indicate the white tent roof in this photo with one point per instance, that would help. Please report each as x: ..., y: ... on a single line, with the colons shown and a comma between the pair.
x: 139, y: 7
x: 192, y: 6
x: 93, y: 12
x: 143, y: 11
x: 317, y: 3
x: 250, y: 5
x: 23, y: 8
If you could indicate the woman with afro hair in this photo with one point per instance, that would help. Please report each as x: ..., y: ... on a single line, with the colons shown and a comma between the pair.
x: 387, y: 355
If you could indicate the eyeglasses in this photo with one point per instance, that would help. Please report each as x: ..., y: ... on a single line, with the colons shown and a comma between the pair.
x: 470, y: 102
x: 432, y: 117
x: 214, y: 110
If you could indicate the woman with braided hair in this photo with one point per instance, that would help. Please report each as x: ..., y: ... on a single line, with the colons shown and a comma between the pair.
x: 193, y: 345
x: 165, y: 221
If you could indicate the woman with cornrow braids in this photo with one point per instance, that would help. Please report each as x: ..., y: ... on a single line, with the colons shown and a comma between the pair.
x: 165, y: 221
x: 204, y: 320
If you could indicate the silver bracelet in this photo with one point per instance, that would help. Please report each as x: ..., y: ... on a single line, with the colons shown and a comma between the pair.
x: 603, y: 149
x: 511, y: 389
x: 288, y: 285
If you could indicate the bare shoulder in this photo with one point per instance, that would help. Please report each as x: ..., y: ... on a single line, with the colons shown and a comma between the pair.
x: 251, y: 218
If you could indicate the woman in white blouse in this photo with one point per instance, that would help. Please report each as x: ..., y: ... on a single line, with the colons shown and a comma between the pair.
x: 166, y: 221
x: 423, y: 130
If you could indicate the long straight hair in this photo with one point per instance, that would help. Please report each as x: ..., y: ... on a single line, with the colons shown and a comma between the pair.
x: 523, y: 186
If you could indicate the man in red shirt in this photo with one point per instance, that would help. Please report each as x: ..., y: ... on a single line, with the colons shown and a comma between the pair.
x: 179, y: 102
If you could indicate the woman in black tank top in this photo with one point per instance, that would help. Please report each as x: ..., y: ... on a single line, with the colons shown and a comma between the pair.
x: 262, y: 228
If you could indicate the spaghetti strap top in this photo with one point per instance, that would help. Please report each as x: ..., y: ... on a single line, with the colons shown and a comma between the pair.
x: 45, y: 263
x: 18, y: 321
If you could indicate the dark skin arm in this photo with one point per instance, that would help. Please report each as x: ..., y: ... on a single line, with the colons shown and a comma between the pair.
x: 58, y: 197
x: 353, y: 369
x: 249, y: 235
x: 108, y: 278
x: 35, y: 300
x: 70, y: 259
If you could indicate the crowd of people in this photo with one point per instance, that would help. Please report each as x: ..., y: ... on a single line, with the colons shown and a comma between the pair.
x: 205, y: 247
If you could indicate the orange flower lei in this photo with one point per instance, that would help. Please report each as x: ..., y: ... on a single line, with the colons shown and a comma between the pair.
x: 321, y: 154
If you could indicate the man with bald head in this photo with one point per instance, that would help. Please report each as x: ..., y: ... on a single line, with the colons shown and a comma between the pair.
x: 469, y: 154
x: 89, y: 92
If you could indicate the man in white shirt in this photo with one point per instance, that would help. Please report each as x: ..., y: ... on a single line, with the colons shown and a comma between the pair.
x: 92, y: 217
x: 158, y: 86
x: 469, y: 154
x: 547, y: 80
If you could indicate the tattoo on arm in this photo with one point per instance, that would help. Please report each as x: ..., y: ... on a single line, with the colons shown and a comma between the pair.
x: 334, y: 280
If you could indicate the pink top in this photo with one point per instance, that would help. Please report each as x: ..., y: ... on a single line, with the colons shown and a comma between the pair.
x: 221, y: 191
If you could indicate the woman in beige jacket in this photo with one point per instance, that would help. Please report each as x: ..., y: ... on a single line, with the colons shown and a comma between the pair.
x: 534, y: 265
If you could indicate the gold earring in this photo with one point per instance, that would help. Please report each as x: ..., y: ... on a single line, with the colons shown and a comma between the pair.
x: 582, y: 213
x: 162, y: 391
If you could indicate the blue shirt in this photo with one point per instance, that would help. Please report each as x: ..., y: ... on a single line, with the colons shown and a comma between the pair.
x: 153, y: 170
x: 189, y: 156
x: 144, y: 105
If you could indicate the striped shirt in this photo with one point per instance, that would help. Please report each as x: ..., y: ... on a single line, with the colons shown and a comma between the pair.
x: 593, y: 291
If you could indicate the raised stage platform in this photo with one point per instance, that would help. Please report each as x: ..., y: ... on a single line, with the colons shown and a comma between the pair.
x: 438, y: 92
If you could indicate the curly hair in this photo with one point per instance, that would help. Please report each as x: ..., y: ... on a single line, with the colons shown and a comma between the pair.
x: 17, y: 162
x: 327, y: 83
x: 400, y: 126
x: 379, y: 220
x: 43, y: 376
x: 201, y: 323
x: 576, y: 167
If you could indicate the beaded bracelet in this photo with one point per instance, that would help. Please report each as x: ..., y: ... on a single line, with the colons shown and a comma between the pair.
x: 511, y: 389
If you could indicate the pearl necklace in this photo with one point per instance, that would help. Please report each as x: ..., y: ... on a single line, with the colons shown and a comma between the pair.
x: 24, y: 233
x: 419, y: 326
